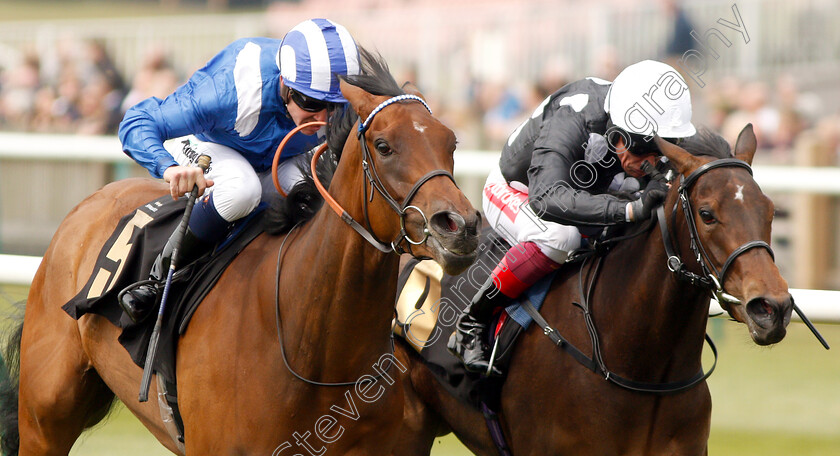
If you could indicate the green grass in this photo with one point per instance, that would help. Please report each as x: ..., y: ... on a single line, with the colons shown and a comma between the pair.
x: 774, y: 401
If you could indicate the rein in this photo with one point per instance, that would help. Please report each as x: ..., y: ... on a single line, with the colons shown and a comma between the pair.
x: 596, y: 362
x: 279, y: 327
x: 711, y: 280
x: 376, y: 183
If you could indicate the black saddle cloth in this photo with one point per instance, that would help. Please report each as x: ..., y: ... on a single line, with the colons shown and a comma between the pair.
x: 127, y: 258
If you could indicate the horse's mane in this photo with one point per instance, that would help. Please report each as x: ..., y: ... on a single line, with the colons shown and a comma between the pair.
x: 707, y: 142
x: 303, y: 200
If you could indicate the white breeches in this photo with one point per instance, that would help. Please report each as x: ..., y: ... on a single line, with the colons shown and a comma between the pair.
x: 509, y: 213
x: 238, y: 188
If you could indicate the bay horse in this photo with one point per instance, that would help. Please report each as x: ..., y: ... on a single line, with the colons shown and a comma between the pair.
x: 334, y: 297
x: 649, y: 326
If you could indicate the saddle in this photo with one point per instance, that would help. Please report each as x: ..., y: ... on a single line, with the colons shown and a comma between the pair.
x: 428, y: 302
x: 127, y: 258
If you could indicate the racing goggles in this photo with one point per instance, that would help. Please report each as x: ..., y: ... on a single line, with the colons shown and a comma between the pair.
x: 309, y: 104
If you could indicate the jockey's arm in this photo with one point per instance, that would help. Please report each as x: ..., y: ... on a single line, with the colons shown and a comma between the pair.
x: 190, y: 110
x: 193, y: 109
x: 552, y: 194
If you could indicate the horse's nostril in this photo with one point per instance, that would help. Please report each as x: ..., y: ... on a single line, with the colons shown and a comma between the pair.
x: 447, y: 222
x: 760, y: 307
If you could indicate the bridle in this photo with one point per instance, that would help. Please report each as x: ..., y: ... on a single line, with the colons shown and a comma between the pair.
x: 372, y: 178
x: 711, y: 278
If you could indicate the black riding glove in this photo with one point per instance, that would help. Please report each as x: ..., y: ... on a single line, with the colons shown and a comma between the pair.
x: 653, y: 196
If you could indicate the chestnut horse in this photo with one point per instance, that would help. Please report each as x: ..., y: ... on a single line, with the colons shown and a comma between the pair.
x: 335, y: 300
x: 648, y: 323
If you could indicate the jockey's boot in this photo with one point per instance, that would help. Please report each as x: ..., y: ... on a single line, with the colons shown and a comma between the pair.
x: 522, y: 266
x: 469, y: 340
x: 138, y: 302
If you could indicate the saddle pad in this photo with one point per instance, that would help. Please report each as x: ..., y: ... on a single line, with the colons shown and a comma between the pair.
x: 428, y: 303
x: 127, y: 257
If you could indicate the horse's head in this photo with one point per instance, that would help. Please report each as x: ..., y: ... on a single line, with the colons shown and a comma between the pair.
x: 407, y: 158
x: 730, y: 217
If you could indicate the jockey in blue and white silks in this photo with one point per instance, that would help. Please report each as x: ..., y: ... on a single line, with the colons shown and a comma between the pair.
x: 237, y: 109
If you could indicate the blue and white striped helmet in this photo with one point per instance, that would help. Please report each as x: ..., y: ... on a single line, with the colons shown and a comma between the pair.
x: 313, y: 53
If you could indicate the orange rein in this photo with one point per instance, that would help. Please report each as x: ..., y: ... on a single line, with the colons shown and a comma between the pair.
x: 280, y: 151
x: 329, y: 199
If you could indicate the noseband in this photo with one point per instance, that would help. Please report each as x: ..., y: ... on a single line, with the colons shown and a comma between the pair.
x: 711, y: 278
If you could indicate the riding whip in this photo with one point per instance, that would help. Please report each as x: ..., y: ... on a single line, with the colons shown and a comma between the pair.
x: 177, y: 236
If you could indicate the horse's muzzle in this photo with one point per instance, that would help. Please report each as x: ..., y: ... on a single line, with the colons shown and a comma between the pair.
x: 770, y: 317
x: 454, y: 239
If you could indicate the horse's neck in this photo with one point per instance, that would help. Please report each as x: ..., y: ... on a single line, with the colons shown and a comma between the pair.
x: 655, y: 312
x: 337, y: 290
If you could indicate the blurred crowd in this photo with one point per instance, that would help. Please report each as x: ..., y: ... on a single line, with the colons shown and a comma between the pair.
x: 77, y: 89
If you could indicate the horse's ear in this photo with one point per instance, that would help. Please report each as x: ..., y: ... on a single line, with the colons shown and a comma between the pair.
x: 361, y: 101
x: 682, y: 160
x: 746, y: 144
x: 412, y: 89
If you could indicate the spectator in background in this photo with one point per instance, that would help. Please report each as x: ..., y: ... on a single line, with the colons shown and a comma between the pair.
x: 501, y: 111
x: 722, y: 96
x: 555, y: 73
x: 753, y: 108
x: 679, y: 39
x: 606, y: 64
x: 156, y: 78
x: 20, y: 85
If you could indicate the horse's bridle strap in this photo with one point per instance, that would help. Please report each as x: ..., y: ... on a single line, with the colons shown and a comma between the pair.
x: 721, y: 163
x: 372, y: 177
x: 713, y: 279
x: 734, y: 255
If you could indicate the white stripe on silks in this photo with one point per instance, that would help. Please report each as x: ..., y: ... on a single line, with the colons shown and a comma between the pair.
x: 319, y: 57
x: 350, y: 53
x: 248, y: 82
x: 288, y: 67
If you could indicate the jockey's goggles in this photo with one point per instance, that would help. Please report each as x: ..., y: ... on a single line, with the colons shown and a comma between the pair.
x: 309, y: 104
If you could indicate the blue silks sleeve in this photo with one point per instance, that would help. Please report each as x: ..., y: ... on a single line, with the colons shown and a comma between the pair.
x: 194, y: 108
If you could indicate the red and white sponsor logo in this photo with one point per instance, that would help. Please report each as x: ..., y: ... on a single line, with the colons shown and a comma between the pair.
x: 508, y: 200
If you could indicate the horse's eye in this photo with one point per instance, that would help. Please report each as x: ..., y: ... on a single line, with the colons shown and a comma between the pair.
x: 383, y: 148
x: 707, y: 216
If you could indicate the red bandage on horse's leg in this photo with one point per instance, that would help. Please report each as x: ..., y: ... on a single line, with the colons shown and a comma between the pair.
x: 523, y: 265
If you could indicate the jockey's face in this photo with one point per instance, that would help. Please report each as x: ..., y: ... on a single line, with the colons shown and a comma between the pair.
x: 301, y: 116
x: 632, y: 163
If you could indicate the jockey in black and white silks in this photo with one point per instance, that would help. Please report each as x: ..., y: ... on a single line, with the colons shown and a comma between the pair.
x: 555, y: 174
